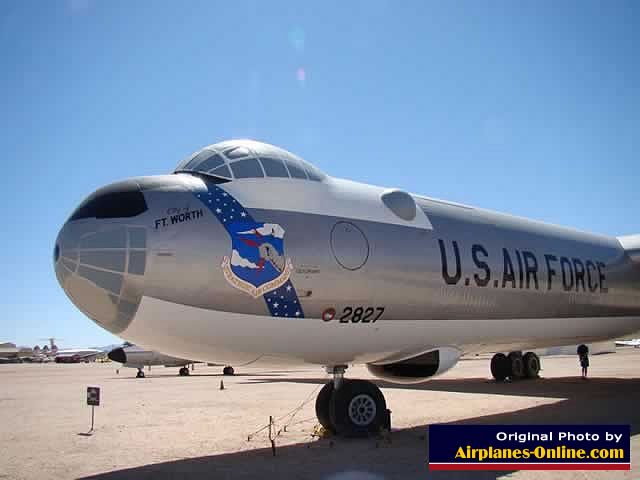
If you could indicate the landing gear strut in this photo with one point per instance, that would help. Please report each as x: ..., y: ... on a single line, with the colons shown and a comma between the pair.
x: 183, y: 372
x: 515, y: 366
x: 140, y: 373
x: 351, y: 407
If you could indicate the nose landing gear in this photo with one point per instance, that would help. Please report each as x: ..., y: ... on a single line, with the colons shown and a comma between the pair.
x: 515, y: 366
x: 140, y: 373
x: 351, y: 407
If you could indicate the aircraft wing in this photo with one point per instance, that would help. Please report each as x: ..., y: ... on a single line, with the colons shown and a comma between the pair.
x: 81, y: 354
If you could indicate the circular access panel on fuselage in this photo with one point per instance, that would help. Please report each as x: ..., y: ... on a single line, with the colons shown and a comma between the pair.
x: 349, y: 245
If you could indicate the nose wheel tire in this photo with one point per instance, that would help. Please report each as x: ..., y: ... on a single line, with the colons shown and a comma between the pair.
x: 140, y: 374
x: 323, y: 401
x: 183, y: 372
x: 228, y: 370
x: 357, y: 408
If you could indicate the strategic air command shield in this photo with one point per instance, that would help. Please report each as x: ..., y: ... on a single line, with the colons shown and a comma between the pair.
x: 257, y: 263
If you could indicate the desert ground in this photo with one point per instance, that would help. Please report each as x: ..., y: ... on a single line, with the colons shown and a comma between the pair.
x: 166, y: 426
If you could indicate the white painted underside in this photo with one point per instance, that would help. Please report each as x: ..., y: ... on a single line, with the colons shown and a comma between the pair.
x: 232, y: 338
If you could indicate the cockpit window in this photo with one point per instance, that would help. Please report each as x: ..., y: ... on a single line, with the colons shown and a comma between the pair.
x: 237, y: 159
x: 247, y: 168
x: 197, y: 159
x: 295, y: 170
x: 314, y: 173
x: 274, y: 167
x: 236, y: 152
x: 222, y: 171
x: 210, y: 163
x: 118, y: 200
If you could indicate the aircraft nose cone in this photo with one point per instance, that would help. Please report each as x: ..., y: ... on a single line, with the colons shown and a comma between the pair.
x: 100, y: 255
x: 118, y: 355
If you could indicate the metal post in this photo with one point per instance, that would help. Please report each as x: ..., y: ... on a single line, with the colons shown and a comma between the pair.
x: 93, y: 399
x: 271, y: 438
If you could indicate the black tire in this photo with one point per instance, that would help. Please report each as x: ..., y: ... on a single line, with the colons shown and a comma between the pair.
x: 517, y: 365
x: 322, y: 407
x: 228, y: 370
x: 357, y: 408
x: 531, y: 365
x: 184, y: 371
x: 500, y: 367
x: 140, y: 374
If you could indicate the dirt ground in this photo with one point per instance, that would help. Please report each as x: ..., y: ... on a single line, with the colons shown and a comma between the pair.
x: 166, y: 426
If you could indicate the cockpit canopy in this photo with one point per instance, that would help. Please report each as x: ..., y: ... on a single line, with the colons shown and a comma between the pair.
x: 235, y: 159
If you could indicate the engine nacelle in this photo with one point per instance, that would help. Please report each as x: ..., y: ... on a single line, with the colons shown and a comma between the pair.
x: 417, y: 369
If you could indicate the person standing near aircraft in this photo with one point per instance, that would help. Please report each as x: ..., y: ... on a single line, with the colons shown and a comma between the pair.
x: 583, y: 355
x: 584, y: 363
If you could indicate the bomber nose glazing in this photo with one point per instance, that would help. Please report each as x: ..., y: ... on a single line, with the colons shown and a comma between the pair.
x: 100, y: 255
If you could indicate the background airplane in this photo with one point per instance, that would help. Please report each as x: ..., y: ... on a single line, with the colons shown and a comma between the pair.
x: 629, y: 343
x: 77, y: 355
x: 247, y: 252
x: 132, y: 356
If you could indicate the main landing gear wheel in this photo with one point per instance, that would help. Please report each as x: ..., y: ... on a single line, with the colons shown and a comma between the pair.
x: 357, y: 408
x: 140, y: 374
x: 183, y: 372
x: 500, y: 367
x: 531, y: 365
x: 517, y: 365
x: 228, y: 370
x: 323, y: 400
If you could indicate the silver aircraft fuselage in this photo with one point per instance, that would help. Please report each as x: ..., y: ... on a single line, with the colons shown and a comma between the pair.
x: 132, y: 356
x: 303, y: 267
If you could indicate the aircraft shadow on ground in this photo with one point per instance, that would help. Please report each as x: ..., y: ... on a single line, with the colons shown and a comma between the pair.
x: 557, y: 387
x: 595, y: 401
x: 191, y: 375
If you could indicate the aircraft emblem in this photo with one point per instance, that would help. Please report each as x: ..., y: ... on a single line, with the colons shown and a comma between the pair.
x: 257, y: 264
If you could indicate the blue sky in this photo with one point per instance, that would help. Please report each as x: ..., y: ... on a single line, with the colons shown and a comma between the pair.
x: 531, y: 108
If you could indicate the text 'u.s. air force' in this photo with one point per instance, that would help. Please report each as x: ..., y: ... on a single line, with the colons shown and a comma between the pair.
x: 522, y: 269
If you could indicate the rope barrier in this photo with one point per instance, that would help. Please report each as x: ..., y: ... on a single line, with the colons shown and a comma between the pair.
x: 292, y: 414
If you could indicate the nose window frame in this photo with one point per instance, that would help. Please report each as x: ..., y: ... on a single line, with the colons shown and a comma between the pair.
x: 118, y: 200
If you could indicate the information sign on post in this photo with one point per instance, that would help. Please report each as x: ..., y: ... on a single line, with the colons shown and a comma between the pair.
x: 93, y: 399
